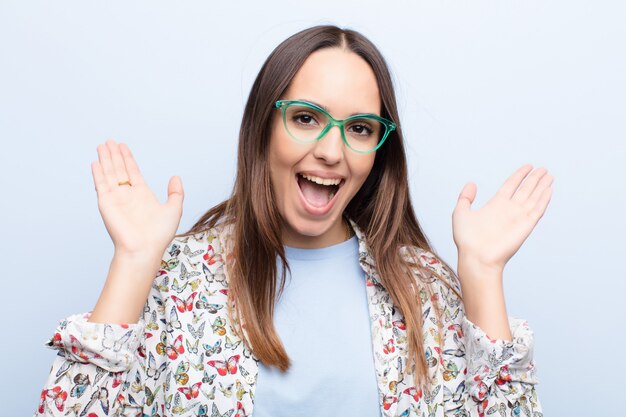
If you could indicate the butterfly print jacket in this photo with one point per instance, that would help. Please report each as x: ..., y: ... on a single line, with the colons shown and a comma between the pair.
x: 182, y: 358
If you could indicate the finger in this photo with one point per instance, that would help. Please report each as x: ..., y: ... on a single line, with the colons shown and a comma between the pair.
x: 104, y: 157
x: 467, y: 195
x: 98, y: 177
x: 533, y: 199
x: 175, y: 193
x: 529, y: 185
x: 511, y: 184
x: 131, y: 165
x: 118, y: 161
x: 540, y: 208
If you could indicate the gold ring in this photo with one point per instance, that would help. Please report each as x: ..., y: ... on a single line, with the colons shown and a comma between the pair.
x: 124, y: 182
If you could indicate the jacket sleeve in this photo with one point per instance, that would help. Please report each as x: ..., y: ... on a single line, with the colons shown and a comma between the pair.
x: 484, y: 376
x: 101, y: 369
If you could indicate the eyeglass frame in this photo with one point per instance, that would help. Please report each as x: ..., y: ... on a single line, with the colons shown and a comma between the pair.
x: 389, y: 125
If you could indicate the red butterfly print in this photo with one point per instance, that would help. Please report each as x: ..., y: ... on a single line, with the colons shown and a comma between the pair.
x: 191, y: 392
x: 241, y: 412
x: 389, y: 347
x: 184, y: 305
x: 457, y: 328
x: 400, y: 324
x: 438, y: 350
x: 56, y: 340
x: 504, y: 375
x: 481, y: 407
x: 388, y: 400
x: 230, y: 366
x: 210, y: 256
x: 57, y: 394
x: 414, y: 392
x: 432, y: 260
x: 117, y: 380
x: 482, y: 387
x: 172, y: 351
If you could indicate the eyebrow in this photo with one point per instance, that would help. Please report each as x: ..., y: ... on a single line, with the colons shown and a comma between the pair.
x: 325, y: 108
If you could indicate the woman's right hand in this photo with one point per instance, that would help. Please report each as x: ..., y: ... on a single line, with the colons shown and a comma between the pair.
x: 137, y: 222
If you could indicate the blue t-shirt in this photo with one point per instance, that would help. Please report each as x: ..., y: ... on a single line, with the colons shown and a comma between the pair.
x: 322, y: 318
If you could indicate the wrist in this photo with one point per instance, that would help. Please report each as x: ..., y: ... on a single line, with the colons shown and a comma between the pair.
x: 483, y: 296
x: 126, y: 288
x: 473, y: 264
x: 141, y: 259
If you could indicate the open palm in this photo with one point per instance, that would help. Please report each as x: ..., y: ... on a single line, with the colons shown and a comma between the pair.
x: 135, y: 219
x: 492, y: 234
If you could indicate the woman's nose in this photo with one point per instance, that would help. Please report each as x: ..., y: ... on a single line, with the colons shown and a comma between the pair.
x: 330, y: 147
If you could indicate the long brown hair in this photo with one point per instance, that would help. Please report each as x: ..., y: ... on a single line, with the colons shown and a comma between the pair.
x: 381, y: 208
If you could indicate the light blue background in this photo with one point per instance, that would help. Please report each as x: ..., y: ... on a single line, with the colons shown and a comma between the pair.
x: 483, y: 87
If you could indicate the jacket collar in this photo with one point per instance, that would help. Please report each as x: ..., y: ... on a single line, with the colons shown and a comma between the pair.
x: 365, y: 255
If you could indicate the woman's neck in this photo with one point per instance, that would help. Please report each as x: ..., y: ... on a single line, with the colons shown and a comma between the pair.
x: 338, y: 232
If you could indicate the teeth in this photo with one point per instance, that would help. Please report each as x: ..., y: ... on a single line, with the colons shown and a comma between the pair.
x: 322, y: 181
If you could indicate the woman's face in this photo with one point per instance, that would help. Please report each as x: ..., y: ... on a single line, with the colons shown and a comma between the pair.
x: 345, y: 84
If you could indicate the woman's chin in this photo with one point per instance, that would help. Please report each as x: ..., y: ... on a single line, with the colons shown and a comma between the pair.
x: 307, y: 233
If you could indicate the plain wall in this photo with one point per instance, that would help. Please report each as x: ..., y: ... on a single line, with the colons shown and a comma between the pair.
x: 483, y: 87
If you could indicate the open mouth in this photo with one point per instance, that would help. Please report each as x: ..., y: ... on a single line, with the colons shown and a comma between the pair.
x: 318, y: 195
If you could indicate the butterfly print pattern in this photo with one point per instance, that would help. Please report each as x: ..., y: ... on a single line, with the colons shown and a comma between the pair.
x: 182, y: 358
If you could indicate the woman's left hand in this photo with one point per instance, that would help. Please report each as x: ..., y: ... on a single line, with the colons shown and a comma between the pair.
x: 490, y: 236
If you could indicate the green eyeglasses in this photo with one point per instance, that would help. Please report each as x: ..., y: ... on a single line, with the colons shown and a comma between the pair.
x: 306, y: 122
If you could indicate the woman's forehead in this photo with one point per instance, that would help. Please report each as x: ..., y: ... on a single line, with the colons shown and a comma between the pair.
x: 338, y: 80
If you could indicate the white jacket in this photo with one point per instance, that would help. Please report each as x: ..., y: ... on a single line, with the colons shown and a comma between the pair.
x: 183, y: 358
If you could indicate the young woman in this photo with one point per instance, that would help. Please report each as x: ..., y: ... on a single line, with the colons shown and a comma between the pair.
x: 312, y: 290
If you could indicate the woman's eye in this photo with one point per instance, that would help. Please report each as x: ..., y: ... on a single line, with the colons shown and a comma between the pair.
x: 361, y: 129
x: 304, y: 119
